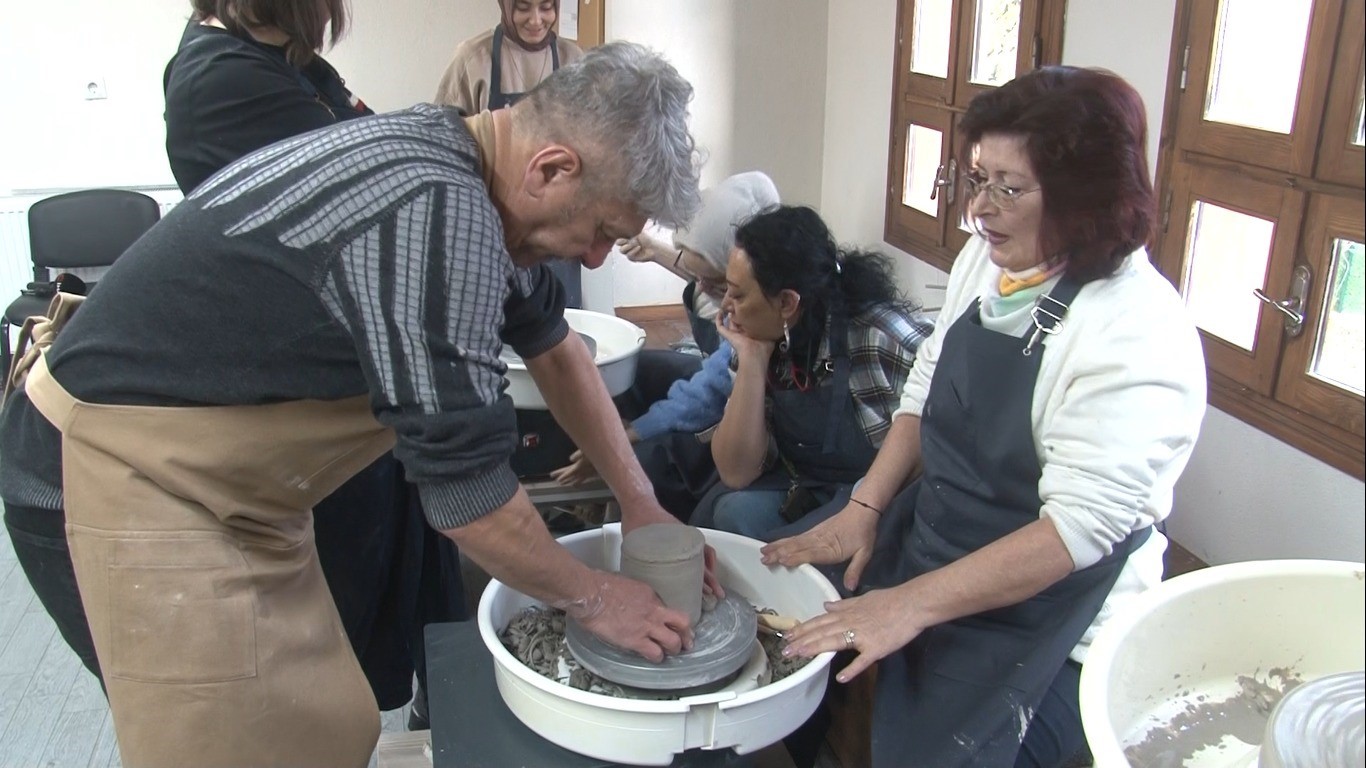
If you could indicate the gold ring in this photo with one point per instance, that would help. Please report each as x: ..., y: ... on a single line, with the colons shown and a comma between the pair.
x: 848, y: 639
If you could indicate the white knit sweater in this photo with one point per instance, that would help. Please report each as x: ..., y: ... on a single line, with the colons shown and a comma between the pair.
x: 1117, y: 407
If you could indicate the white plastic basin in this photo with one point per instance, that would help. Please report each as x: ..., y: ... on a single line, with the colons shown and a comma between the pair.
x: 652, y: 732
x: 618, y: 344
x: 1187, y: 641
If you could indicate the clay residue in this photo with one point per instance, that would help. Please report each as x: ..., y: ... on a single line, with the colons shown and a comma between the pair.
x: 779, y: 666
x: 1209, y: 724
x: 535, y: 637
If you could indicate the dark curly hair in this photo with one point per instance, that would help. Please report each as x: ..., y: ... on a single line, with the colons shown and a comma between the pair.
x: 1085, y: 132
x: 300, y: 20
x: 790, y: 248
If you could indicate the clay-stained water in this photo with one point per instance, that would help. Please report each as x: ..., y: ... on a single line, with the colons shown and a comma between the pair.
x: 1235, y: 724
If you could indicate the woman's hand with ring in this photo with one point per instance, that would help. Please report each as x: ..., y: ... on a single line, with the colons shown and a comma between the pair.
x: 871, y: 626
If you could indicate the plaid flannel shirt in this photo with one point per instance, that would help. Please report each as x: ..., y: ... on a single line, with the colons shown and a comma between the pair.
x: 882, y: 346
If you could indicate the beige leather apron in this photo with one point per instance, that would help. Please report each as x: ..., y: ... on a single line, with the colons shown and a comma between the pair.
x: 192, y: 539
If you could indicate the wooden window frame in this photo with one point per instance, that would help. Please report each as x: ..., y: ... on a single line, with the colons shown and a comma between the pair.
x: 1336, y: 441
x: 1041, y: 32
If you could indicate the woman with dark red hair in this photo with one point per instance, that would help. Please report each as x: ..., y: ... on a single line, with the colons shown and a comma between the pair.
x: 1044, y: 425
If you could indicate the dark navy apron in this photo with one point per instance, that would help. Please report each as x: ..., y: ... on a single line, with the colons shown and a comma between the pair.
x: 827, y: 456
x: 570, y: 275
x: 963, y: 692
x: 498, y: 99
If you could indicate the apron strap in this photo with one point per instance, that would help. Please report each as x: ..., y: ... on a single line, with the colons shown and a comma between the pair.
x: 496, y: 71
x: 1049, y: 311
x: 839, y: 400
x: 39, y: 331
x: 46, y: 393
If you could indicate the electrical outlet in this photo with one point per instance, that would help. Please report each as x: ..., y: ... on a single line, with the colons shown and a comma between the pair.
x: 94, y: 89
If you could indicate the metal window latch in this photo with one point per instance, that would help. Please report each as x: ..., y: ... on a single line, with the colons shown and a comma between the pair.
x: 1293, y: 307
x: 944, y: 180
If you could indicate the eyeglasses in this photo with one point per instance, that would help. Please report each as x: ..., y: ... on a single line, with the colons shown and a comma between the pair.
x: 712, y: 286
x: 1000, y: 195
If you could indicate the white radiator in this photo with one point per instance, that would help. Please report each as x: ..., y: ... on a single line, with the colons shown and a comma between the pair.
x: 15, y: 268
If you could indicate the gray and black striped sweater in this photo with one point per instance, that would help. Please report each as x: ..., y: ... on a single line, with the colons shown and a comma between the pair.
x: 361, y: 258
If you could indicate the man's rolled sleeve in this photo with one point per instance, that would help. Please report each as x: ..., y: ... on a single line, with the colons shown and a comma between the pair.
x: 455, y: 502
x: 533, y: 315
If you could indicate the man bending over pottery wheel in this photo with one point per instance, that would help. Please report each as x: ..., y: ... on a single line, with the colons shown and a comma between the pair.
x: 304, y: 310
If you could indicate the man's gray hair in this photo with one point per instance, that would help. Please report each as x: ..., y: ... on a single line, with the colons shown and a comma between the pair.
x: 626, y: 108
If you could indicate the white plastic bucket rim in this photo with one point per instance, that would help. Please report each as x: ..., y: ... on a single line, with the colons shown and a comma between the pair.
x: 581, y: 721
x: 1111, y: 649
x: 618, y: 341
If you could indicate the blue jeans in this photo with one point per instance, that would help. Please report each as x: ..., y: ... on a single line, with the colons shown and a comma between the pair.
x: 749, y: 513
x: 1055, y: 735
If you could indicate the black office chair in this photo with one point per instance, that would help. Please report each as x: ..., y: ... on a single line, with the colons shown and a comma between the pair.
x: 75, y: 230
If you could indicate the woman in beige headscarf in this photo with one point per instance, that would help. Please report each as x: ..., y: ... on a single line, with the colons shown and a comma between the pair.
x: 494, y: 69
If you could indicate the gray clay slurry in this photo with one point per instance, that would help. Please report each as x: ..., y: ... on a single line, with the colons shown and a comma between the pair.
x: 1206, y: 724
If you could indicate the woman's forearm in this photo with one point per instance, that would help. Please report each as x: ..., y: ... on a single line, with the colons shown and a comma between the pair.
x: 896, y: 464
x: 741, y: 440
x: 1007, y: 571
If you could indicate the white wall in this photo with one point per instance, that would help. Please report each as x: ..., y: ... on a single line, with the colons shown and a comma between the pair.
x: 1245, y: 495
x: 860, y: 59
x: 393, y: 57
x: 52, y: 136
x: 396, y: 50
x: 758, y: 68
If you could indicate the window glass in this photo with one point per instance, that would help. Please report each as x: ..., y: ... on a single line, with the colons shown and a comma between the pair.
x: 924, y: 147
x: 931, y: 30
x: 1357, y: 136
x: 1258, y: 54
x: 1340, y: 358
x: 996, y: 42
x: 1226, y: 258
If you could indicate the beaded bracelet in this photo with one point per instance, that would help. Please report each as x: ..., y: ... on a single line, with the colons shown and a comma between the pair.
x: 866, y: 505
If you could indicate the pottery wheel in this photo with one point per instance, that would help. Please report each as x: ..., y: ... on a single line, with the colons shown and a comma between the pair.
x: 722, y: 642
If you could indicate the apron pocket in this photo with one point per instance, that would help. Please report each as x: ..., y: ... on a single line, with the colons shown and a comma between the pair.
x: 182, y: 611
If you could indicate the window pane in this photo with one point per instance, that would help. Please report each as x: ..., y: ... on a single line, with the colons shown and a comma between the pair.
x: 1226, y: 257
x: 1341, y: 355
x: 1258, y: 53
x: 1357, y: 137
x: 931, y: 29
x: 923, y: 149
x: 996, y: 42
